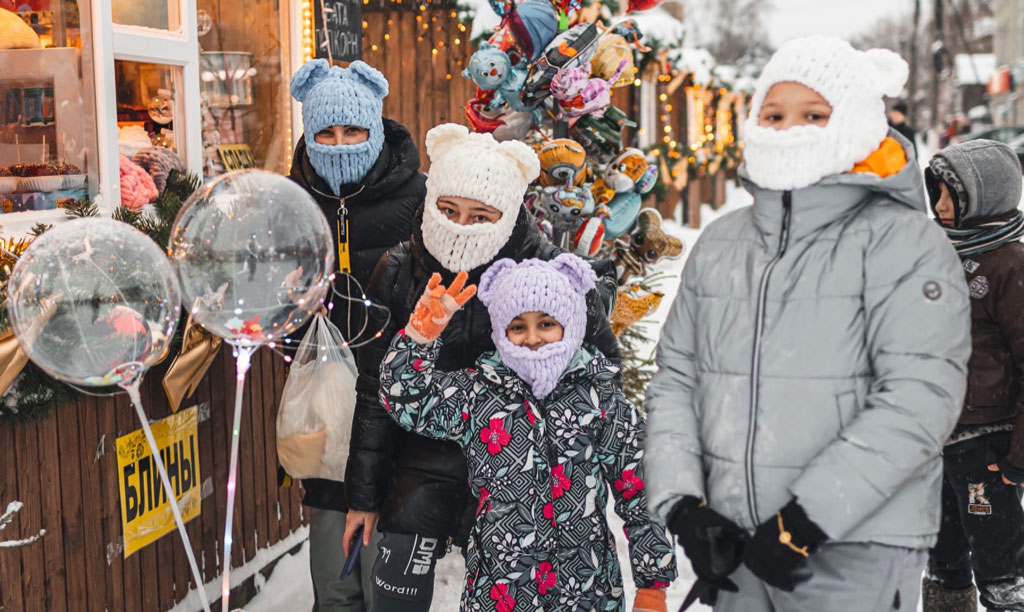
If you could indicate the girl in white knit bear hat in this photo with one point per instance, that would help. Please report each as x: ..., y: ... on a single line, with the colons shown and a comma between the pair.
x: 814, y: 360
x: 473, y: 215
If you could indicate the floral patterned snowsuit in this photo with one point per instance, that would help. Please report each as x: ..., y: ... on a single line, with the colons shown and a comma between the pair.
x: 539, y: 468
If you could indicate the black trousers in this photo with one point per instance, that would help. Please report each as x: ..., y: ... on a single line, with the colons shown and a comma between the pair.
x: 981, y: 538
x: 403, y: 575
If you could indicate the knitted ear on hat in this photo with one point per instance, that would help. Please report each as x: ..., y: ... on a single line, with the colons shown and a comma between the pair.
x: 485, y: 289
x: 581, y: 276
x: 444, y: 138
x: 368, y: 76
x: 892, y: 71
x: 311, y: 73
x: 524, y: 156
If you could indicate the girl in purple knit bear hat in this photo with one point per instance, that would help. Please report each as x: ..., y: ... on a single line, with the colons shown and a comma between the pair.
x: 546, y: 430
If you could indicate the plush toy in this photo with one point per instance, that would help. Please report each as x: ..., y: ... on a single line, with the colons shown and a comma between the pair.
x: 601, y: 136
x: 645, y: 245
x: 589, y: 237
x: 503, y: 124
x: 578, y: 94
x: 531, y: 25
x: 565, y: 207
x: 15, y: 33
x: 612, y: 50
x: 628, y: 171
x: 630, y: 308
x: 570, y: 49
x: 563, y: 162
x: 491, y: 69
x: 622, y: 214
x: 630, y: 32
x: 640, y: 5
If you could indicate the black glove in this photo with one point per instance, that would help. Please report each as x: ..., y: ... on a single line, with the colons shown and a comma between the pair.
x: 1013, y: 473
x: 781, y: 545
x: 712, y: 542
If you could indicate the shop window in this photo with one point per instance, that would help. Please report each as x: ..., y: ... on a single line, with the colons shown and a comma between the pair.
x: 146, y: 106
x: 47, y: 125
x: 159, y: 14
x: 246, y: 105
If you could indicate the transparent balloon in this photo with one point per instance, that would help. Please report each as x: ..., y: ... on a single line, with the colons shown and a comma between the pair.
x: 94, y: 302
x: 254, y: 255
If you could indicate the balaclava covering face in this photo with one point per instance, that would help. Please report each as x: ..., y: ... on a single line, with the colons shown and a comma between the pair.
x: 853, y: 82
x: 341, y: 96
x: 474, y: 166
x: 557, y: 288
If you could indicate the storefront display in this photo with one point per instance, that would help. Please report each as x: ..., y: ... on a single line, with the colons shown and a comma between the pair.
x: 47, y: 141
x: 82, y: 81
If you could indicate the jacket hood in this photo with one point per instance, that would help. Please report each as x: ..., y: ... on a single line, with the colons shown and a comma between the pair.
x: 833, y: 196
x: 990, y: 175
x: 398, y: 161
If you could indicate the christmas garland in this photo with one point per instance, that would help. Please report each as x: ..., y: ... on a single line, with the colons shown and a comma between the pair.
x: 34, y: 394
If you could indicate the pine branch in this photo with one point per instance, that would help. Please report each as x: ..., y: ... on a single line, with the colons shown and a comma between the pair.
x: 76, y: 209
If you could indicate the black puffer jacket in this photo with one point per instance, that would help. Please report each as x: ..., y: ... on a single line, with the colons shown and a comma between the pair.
x: 419, y: 485
x: 380, y: 216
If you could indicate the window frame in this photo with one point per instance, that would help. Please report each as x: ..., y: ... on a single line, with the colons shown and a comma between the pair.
x: 178, y: 49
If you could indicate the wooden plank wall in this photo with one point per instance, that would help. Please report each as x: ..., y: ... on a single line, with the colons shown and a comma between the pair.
x: 422, y: 53
x: 64, y: 470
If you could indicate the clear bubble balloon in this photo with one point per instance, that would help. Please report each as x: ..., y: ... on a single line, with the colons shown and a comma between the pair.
x: 254, y: 255
x: 94, y: 302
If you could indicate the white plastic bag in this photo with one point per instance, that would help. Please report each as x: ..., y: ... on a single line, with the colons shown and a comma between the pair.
x: 314, y: 420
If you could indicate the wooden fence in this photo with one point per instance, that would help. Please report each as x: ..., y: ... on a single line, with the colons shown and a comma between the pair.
x: 64, y: 470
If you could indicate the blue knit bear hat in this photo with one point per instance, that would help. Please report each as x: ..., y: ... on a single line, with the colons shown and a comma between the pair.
x: 341, y: 96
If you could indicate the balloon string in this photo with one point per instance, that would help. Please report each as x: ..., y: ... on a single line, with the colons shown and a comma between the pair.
x: 133, y: 392
x: 243, y: 359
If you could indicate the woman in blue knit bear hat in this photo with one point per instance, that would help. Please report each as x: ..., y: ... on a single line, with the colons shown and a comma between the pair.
x: 363, y: 171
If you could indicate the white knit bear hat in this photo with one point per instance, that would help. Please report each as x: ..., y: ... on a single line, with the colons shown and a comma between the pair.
x: 474, y: 166
x: 853, y: 82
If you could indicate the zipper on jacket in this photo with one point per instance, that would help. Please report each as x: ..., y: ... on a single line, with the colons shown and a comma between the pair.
x: 755, y: 367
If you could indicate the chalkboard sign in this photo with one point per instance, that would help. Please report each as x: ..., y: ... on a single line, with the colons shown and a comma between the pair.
x: 339, y: 29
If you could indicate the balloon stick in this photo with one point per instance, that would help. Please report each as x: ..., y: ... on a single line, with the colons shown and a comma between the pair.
x: 133, y: 392
x: 243, y: 359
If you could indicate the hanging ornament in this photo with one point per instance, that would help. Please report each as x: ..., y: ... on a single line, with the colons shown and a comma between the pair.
x: 161, y: 107
x: 204, y: 23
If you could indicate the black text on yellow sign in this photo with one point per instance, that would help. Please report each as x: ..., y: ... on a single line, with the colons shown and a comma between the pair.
x: 145, y: 512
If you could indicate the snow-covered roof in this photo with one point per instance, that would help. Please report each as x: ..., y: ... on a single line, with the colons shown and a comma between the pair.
x: 973, y: 69
x: 659, y: 27
x: 698, y: 61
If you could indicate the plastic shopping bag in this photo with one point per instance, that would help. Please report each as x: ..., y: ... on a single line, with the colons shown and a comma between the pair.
x: 314, y: 420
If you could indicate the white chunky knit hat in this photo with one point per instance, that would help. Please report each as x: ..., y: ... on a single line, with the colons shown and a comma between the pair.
x: 853, y: 82
x: 474, y: 166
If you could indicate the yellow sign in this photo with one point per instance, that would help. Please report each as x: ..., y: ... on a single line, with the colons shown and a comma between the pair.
x: 145, y: 512
x: 236, y: 156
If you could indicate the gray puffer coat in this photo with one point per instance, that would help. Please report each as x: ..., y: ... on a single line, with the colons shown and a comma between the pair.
x: 818, y: 349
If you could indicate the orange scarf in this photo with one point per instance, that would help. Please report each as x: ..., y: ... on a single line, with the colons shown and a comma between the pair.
x: 886, y: 161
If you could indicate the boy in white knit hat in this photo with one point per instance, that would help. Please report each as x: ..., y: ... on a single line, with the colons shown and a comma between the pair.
x: 472, y: 216
x: 803, y: 392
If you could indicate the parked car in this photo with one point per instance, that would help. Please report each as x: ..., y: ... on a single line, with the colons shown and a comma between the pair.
x: 1004, y: 133
x: 1017, y: 145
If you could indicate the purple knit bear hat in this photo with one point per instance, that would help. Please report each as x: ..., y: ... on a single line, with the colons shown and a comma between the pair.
x: 558, y: 288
